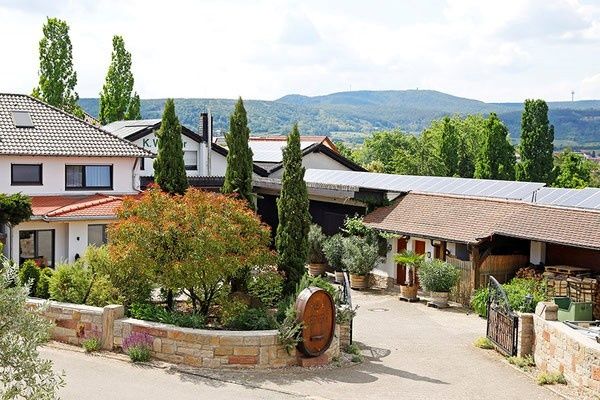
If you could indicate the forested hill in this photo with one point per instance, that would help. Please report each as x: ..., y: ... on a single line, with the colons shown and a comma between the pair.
x: 350, y: 116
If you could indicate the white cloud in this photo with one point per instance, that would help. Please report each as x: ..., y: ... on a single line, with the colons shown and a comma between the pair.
x: 491, y: 50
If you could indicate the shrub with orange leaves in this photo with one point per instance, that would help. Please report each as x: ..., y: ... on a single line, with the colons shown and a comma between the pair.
x: 194, y: 242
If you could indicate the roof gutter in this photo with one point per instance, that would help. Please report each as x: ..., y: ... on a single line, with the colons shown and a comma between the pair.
x: 79, y: 218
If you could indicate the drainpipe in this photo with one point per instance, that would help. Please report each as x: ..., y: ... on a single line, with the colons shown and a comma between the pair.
x: 209, y: 143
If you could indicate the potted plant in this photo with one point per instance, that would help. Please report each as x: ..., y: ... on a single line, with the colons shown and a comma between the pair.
x: 439, y: 278
x: 316, y: 257
x: 334, y: 252
x: 360, y: 257
x: 412, y: 261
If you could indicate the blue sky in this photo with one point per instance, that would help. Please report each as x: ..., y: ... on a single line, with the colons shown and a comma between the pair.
x: 488, y: 50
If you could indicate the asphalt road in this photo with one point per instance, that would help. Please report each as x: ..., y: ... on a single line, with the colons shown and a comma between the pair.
x: 411, y: 352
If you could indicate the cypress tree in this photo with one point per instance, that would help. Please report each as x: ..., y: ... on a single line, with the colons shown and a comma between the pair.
x: 497, y: 157
x: 115, y: 98
x: 238, y: 176
x: 57, y: 78
x: 291, y: 240
x: 537, y: 137
x: 169, y: 167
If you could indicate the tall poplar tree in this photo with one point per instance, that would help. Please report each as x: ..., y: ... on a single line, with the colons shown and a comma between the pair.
x: 116, y: 101
x: 449, y: 146
x: 497, y: 157
x: 169, y: 167
x: 291, y: 240
x: 57, y: 78
x: 238, y: 176
x: 134, y: 109
x: 537, y: 137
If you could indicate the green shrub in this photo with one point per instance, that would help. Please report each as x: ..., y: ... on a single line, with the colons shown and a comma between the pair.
x: 266, y: 286
x: 316, y: 281
x: 316, y: 238
x: 154, y: 313
x: 360, y: 256
x: 290, y: 330
x: 438, y: 276
x: 102, y: 293
x: 231, y: 308
x: 483, y: 343
x: 139, y: 353
x: 253, y: 319
x: 479, y: 301
x: 29, y: 275
x: 42, y: 290
x: 333, y: 248
x: 546, y: 378
x: 70, y: 283
x: 91, y: 344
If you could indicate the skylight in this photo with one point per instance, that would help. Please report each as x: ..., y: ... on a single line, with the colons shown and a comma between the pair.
x: 22, y: 119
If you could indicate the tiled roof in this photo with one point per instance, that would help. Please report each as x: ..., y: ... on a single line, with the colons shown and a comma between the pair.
x: 468, y: 220
x: 69, y: 207
x: 56, y: 133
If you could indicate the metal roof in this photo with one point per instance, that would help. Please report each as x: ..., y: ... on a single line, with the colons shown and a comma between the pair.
x: 426, y: 184
x: 588, y: 198
x: 56, y: 133
x: 125, y: 128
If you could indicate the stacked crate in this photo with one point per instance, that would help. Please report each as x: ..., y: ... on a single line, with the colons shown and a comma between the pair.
x: 578, y: 285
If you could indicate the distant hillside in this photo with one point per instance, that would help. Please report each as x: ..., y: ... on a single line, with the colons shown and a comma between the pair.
x: 350, y: 116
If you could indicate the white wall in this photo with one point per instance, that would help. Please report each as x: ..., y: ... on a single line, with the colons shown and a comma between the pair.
x: 537, y: 253
x: 71, y: 238
x: 53, y: 174
x: 317, y: 161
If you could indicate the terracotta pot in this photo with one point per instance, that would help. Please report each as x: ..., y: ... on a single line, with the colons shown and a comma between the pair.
x: 358, y: 281
x: 316, y: 269
x: 339, y: 277
x: 440, y: 299
x: 408, y: 292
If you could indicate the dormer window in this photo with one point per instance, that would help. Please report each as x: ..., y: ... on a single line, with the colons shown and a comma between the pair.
x: 22, y: 119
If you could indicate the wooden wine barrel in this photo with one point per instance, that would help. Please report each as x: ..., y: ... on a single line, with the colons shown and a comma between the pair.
x: 316, y: 310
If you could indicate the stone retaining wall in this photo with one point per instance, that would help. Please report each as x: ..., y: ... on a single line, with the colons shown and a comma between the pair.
x: 194, y: 347
x: 559, y: 348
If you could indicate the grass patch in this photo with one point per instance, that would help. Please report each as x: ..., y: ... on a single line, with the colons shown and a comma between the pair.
x: 546, y: 378
x: 354, y: 350
x: 357, y: 358
x: 522, y: 362
x: 483, y: 343
x: 91, y: 344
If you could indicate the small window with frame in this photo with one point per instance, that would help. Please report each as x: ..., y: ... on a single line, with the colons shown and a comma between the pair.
x: 26, y: 174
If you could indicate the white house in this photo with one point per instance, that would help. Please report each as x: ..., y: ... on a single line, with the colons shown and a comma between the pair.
x: 75, y: 173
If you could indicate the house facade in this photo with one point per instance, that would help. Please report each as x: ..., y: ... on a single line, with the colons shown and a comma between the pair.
x: 75, y: 173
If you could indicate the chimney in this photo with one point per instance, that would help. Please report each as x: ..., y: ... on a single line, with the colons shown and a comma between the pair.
x: 204, y: 126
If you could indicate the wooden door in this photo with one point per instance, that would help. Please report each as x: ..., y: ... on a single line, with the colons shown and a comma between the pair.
x: 401, y: 268
x: 419, y: 249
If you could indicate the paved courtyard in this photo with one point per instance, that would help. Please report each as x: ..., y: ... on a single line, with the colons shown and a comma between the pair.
x: 411, y: 352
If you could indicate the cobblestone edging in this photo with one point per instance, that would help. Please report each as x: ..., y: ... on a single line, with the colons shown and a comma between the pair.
x: 559, y: 348
x: 194, y: 347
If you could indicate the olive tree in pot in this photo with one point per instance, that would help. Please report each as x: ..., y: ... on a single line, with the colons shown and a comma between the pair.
x: 360, y: 257
x: 334, y: 252
x: 316, y: 257
x: 412, y: 261
x: 439, y: 278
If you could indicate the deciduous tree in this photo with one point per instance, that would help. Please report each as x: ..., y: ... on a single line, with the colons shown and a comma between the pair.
x: 57, y: 78
x: 572, y: 170
x: 116, y: 100
x: 238, y: 176
x: 537, y: 137
x: 497, y: 156
x: 169, y: 167
x: 291, y: 240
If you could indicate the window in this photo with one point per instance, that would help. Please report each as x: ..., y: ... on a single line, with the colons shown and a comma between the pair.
x: 190, y: 158
x: 96, y: 235
x: 26, y: 174
x: 142, y: 163
x: 22, y: 119
x: 462, y: 251
x: 37, y: 246
x: 88, y: 177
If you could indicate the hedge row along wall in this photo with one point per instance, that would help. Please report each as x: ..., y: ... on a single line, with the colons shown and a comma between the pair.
x: 194, y: 347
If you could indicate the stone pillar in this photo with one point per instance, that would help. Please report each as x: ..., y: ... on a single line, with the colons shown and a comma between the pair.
x: 525, y: 335
x: 109, y: 314
x: 547, y: 311
x: 344, y: 335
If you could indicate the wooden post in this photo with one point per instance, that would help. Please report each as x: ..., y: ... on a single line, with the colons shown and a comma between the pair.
x: 475, y: 266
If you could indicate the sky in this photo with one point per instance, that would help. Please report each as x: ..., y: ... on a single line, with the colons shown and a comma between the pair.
x: 495, y: 51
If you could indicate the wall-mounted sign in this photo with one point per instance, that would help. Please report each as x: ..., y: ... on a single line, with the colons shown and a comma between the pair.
x: 316, y: 310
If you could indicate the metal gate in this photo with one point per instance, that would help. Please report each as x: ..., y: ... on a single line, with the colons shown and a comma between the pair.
x: 502, y: 322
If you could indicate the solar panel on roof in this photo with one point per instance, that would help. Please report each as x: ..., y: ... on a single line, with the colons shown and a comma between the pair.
x: 22, y: 119
x: 428, y: 184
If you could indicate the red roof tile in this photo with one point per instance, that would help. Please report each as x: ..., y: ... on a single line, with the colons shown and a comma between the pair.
x: 57, y: 207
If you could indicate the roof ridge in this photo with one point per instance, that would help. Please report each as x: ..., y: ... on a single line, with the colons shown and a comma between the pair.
x: 82, y: 205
